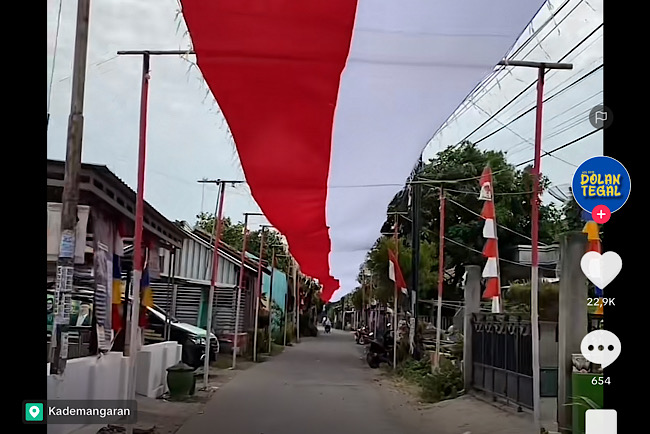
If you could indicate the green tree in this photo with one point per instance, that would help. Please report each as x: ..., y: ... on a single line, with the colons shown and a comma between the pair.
x: 233, y: 235
x: 464, y: 164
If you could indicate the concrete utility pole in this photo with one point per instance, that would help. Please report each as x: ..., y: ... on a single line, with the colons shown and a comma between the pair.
x: 534, y: 309
x: 258, y: 291
x: 215, y: 271
x: 296, y: 290
x: 396, y: 295
x: 416, y: 199
x: 572, y: 319
x: 270, y: 337
x: 441, y: 276
x: 70, y: 199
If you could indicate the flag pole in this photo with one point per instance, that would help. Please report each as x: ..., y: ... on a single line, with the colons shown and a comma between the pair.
x: 441, y: 270
x: 396, y: 294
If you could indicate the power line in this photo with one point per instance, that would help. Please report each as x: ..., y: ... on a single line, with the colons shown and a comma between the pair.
x: 582, y: 115
x: 469, y: 100
x: 496, y: 194
x: 563, y: 146
x: 500, y: 259
x: 56, y: 45
x: 585, y: 39
x: 531, y: 109
x: 499, y: 225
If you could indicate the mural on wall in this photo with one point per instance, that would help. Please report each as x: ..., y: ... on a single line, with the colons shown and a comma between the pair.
x: 279, y: 294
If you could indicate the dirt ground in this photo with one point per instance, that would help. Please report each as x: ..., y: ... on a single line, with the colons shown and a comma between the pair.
x: 161, y: 416
x: 464, y: 415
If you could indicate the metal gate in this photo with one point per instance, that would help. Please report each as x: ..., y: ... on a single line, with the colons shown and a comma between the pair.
x: 502, y: 357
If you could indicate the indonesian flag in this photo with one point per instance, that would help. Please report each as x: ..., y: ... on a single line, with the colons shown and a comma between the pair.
x: 395, y: 272
x: 491, y: 248
x: 331, y: 103
x: 593, y: 245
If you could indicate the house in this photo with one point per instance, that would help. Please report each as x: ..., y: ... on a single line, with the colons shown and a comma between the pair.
x: 106, y: 213
x: 184, y: 285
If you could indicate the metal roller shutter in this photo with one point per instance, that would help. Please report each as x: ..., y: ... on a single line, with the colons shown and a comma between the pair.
x: 188, y: 301
x: 224, y: 312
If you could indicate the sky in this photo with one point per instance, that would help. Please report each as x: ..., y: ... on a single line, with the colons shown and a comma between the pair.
x: 188, y: 139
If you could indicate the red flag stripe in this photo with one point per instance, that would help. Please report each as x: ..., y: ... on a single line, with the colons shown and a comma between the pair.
x: 298, y: 96
x: 488, y: 210
x: 491, y: 249
x: 492, y: 288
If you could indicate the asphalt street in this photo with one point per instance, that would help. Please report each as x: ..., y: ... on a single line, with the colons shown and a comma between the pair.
x: 319, y: 386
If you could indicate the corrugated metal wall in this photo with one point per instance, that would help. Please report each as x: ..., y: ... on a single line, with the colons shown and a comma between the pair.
x: 188, y: 301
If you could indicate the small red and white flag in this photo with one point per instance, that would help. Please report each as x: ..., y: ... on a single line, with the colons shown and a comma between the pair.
x: 395, y: 272
x: 491, y: 248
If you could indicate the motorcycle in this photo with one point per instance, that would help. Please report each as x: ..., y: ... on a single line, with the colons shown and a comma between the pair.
x: 380, y: 352
x: 328, y: 328
x: 362, y: 336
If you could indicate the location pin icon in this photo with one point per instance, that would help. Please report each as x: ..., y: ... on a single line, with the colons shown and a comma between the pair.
x: 33, y: 410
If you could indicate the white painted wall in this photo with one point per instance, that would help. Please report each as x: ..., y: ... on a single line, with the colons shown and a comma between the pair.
x: 104, y: 377
x: 152, y: 364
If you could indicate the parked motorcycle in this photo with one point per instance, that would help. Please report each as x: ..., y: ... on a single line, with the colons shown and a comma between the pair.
x: 381, y: 352
x: 362, y: 335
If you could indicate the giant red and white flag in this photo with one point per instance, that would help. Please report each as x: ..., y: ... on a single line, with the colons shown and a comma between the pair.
x: 331, y: 102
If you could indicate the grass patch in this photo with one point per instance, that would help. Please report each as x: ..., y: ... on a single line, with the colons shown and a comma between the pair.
x: 276, y: 349
x: 444, y: 383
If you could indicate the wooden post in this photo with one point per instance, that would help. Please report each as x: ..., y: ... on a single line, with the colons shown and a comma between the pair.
x: 70, y: 199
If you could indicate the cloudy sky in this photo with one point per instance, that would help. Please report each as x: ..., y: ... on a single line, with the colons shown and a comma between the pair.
x: 189, y: 140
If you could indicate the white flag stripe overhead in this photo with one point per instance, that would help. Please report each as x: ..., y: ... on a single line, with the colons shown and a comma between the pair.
x: 391, y: 270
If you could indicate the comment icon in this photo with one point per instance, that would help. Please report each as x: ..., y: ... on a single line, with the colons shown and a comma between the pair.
x: 601, y: 347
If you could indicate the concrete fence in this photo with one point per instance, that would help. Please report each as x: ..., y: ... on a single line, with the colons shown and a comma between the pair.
x: 105, y: 377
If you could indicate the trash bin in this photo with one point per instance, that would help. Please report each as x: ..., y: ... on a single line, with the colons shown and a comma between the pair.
x: 180, y: 379
x: 582, y: 387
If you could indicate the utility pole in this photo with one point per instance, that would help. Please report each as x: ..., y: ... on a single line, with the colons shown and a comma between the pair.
x: 534, y: 309
x: 415, y: 242
x: 296, y: 289
x: 242, y: 271
x: 215, y: 271
x: 441, y: 276
x: 258, y: 292
x: 271, y: 301
x: 70, y: 199
x: 134, y: 329
x: 395, y: 237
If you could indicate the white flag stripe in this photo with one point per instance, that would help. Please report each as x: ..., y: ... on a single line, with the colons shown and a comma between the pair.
x: 486, y: 192
x: 391, y: 270
x: 488, y: 229
x: 490, y: 269
x: 496, y: 305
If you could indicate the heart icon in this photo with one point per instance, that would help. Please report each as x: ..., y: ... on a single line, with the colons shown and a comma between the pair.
x: 601, y: 269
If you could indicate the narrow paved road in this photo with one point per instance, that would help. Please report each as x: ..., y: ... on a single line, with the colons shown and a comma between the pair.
x: 320, y: 386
